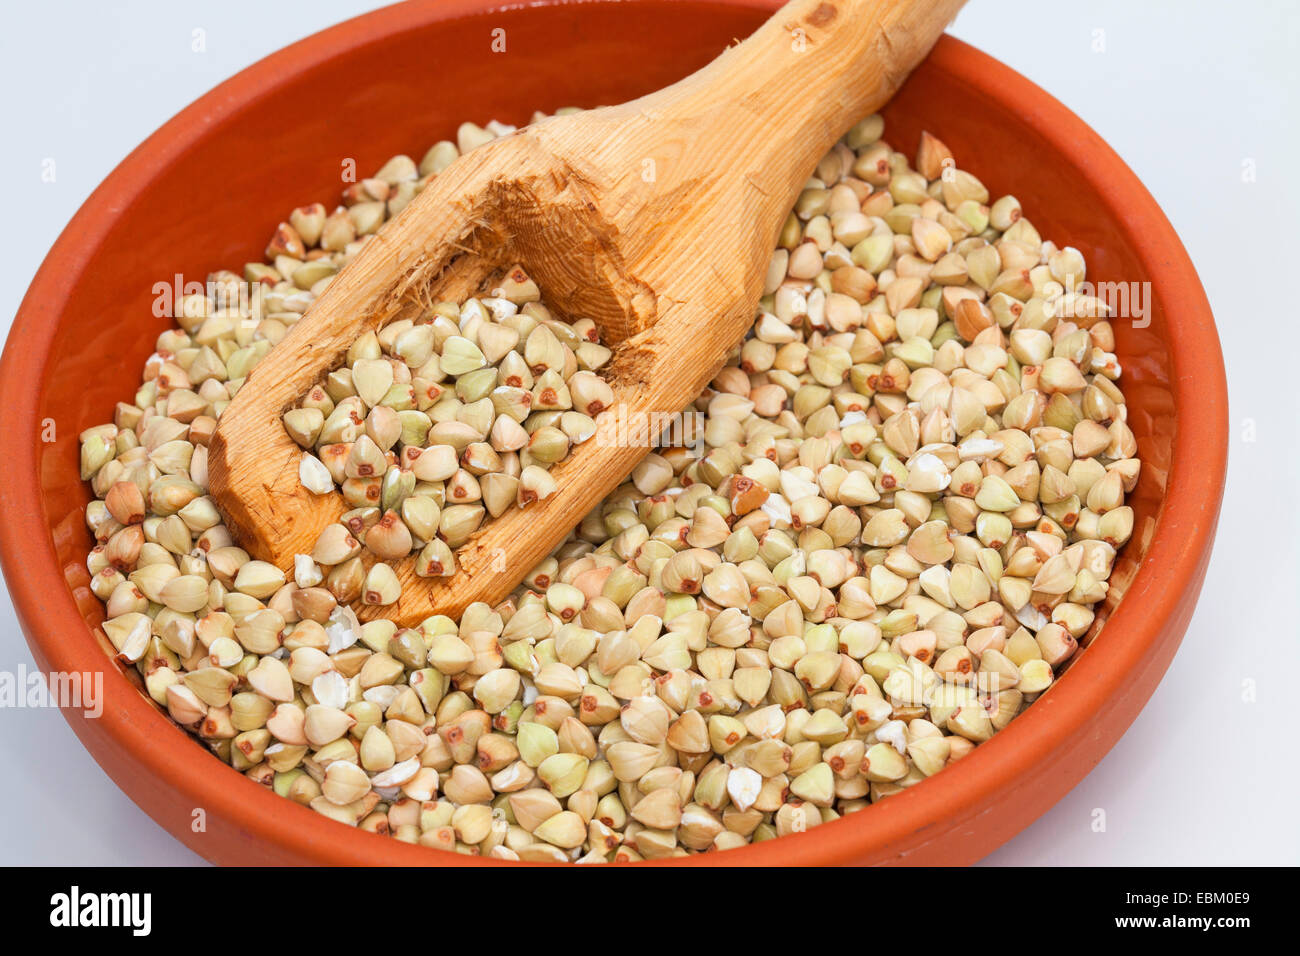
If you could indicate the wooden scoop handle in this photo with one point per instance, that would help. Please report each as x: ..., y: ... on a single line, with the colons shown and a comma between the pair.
x: 656, y: 218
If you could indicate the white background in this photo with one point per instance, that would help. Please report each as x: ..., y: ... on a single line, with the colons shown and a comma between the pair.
x: 1189, y: 93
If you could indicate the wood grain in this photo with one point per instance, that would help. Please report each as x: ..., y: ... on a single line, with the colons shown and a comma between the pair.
x: 655, y: 218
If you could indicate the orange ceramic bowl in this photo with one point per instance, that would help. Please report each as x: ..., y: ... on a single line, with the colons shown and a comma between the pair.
x: 206, y: 190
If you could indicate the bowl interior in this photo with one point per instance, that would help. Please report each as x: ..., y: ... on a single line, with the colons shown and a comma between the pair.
x: 232, y: 177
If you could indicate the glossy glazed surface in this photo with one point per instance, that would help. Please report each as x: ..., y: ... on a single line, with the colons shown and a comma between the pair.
x: 274, y: 137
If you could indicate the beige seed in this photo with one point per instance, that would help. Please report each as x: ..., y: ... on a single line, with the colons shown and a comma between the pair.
x: 565, y: 830
x: 344, y: 783
x: 259, y: 579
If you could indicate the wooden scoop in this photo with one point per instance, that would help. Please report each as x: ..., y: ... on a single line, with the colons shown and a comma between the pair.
x: 656, y: 219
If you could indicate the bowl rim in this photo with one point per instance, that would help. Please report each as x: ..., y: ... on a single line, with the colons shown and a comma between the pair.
x: 137, y: 731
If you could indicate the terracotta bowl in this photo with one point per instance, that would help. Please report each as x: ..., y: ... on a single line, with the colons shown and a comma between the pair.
x: 206, y: 190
